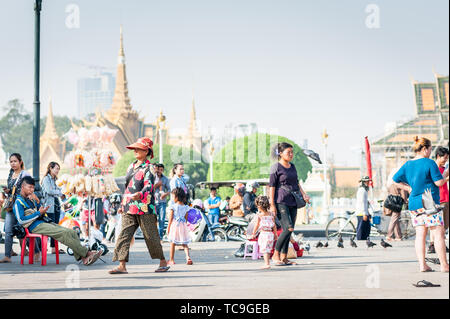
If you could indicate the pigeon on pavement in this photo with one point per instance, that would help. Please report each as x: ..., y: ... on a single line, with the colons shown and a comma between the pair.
x: 385, y: 244
x: 369, y: 243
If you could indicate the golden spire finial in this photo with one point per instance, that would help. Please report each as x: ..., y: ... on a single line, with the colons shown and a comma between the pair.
x: 121, y: 51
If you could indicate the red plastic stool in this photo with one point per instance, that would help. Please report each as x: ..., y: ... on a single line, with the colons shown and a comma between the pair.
x: 32, y: 238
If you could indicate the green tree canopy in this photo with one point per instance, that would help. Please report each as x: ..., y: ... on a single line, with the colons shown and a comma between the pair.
x: 16, y: 130
x: 194, y: 166
x: 249, y: 157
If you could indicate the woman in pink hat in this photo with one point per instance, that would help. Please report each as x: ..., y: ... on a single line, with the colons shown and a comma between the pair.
x: 138, y: 209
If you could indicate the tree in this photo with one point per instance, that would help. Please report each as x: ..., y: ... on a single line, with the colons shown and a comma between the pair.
x: 249, y: 158
x: 16, y: 131
x: 194, y: 166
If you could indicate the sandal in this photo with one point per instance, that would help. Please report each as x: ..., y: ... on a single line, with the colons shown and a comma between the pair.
x: 170, y: 263
x: 280, y: 263
x: 424, y: 283
x: 162, y: 269
x: 427, y: 270
x: 433, y: 260
x: 189, y: 262
x: 93, y: 257
x: 289, y: 263
x: 116, y: 271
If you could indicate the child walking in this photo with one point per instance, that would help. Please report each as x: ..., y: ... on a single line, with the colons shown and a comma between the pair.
x: 178, y: 233
x: 268, y: 231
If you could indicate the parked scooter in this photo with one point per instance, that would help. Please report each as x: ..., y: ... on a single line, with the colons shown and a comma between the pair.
x: 236, y: 228
x: 204, y: 230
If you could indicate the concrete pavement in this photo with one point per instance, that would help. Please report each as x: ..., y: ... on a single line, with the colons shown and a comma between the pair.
x: 323, y: 273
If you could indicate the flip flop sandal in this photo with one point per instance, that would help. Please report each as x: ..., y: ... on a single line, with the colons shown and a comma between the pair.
x: 425, y: 284
x: 279, y: 264
x: 433, y: 260
x: 93, y: 258
x: 162, y: 269
x: 116, y: 271
x: 189, y: 262
x: 428, y: 270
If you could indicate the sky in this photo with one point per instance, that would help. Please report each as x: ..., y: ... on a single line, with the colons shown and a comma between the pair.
x: 293, y: 67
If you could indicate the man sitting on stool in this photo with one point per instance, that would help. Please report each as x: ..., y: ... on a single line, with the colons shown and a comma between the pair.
x: 30, y: 215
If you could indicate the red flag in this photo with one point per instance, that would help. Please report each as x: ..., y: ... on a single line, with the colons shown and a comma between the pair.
x: 369, y: 162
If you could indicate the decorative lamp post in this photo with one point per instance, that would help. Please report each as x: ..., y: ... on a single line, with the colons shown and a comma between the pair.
x: 325, y: 213
x: 211, y: 153
x: 36, y: 103
x: 159, y: 121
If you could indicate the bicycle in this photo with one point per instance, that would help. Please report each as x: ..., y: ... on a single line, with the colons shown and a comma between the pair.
x: 345, y: 228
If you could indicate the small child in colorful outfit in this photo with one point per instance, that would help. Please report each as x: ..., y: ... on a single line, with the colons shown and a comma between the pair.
x: 177, y: 230
x: 268, y: 230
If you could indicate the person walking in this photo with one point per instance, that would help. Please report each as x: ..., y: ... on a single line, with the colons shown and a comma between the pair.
x: 15, y: 178
x: 422, y: 174
x: 161, y: 195
x: 178, y: 233
x: 362, y: 209
x: 442, y: 154
x: 283, y: 175
x: 213, y: 206
x: 52, y: 194
x: 265, y: 224
x: 138, y: 209
x: 399, y: 190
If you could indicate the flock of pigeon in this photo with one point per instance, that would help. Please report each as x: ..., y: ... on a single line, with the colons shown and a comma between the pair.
x: 340, y: 243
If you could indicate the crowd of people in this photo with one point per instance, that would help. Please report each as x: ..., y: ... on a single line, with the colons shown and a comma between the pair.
x: 152, y: 201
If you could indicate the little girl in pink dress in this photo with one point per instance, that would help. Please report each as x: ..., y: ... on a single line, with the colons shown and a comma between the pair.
x: 177, y: 230
x: 265, y: 224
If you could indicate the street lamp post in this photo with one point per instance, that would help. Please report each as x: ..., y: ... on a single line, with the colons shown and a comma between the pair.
x: 325, y: 212
x: 36, y: 103
x: 211, y: 153
x: 160, y: 120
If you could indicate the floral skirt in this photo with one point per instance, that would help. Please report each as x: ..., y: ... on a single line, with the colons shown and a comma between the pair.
x: 426, y: 220
x: 265, y: 242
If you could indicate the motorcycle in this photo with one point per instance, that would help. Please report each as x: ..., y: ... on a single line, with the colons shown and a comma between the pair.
x: 205, y: 231
x: 236, y: 228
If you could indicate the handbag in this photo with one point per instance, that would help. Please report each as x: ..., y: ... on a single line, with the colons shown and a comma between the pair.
x: 9, y: 201
x: 297, y: 195
x: 394, y: 203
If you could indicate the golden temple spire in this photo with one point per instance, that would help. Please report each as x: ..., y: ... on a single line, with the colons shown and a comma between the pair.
x: 121, y: 101
x: 50, y: 130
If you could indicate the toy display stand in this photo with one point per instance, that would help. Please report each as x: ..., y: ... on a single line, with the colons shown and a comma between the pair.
x: 90, y: 165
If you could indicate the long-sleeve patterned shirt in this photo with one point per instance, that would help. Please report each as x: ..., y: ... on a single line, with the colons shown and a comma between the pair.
x: 141, y: 180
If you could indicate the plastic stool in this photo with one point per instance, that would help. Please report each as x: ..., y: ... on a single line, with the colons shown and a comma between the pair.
x: 255, y: 254
x: 32, y: 238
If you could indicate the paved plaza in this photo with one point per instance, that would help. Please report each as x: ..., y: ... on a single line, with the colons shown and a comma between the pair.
x: 323, y: 273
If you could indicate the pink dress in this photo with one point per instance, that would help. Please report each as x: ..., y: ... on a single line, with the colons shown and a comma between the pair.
x: 179, y: 232
x: 266, y: 237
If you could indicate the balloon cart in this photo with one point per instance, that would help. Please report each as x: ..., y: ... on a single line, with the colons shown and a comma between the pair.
x: 90, y: 165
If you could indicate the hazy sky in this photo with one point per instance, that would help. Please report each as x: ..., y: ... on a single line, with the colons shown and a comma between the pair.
x: 291, y: 65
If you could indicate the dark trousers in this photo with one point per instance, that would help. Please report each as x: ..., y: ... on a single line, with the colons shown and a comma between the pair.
x: 363, y: 228
x: 287, y: 216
